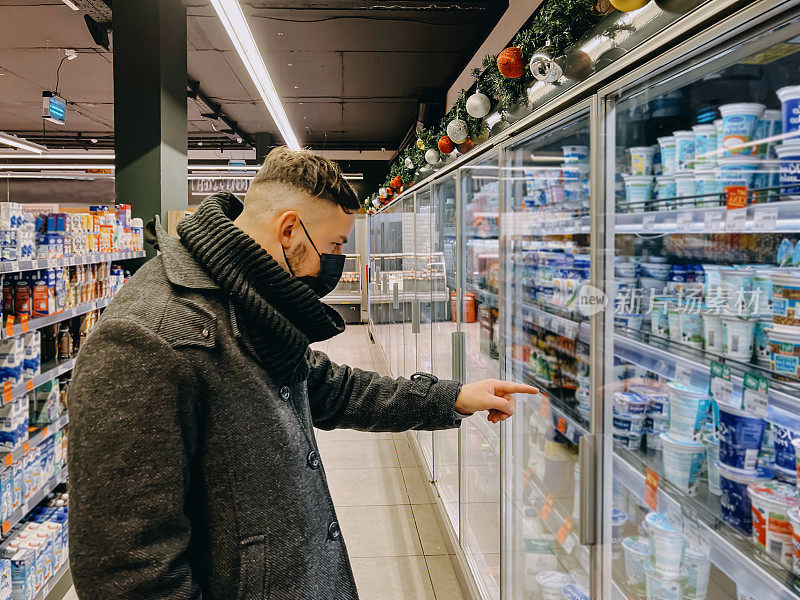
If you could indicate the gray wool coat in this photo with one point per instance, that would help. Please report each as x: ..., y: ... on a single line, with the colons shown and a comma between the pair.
x: 192, y: 473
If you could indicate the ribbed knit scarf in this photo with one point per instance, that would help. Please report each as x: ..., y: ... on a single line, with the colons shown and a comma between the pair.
x: 278, y: 314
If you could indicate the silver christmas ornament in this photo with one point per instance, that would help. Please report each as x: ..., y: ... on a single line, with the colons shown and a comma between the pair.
x: 376, y: 202
x: 457, y: 131
x: 544, y: 67
x: 408, y: 163
x: 432, y: 156
x: 478, y: 105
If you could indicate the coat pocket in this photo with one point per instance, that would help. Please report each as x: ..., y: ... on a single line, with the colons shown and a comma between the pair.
x: 253, y: 569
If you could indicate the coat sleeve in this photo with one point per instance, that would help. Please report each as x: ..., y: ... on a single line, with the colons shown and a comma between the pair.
x: 344, y: 397
x: 133, y: 433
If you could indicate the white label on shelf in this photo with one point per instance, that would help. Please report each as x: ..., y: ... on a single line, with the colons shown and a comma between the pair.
x: 765, y: 219
x: 713, y: 221
x: 569, y: 543
x: 683, y: 374
x: 648, y: 223
x: 736, y: 219
x: 722, y: 390
x: 684, y: 221
x: 673, y: 514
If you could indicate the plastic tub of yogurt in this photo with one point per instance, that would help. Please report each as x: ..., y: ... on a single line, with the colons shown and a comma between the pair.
x: 738, y: 171
x: 666, y: 191
x: 637, y: 555
x: 550, y: 584
x: 705, y: 144
x: 666, y: 545
x: 575, y: 154
x: 761, y: 339
x: 684, y: 150
x: 618, y: 520
x: 683, y: 462
x: 785, y: 297
x: 790, y: 108
x: 628, y: 423
x: 737, y: 286
x: 629, y: 321
x: 734, y: 501
x: 688, y: 410
x: 698, y: 571
x: 737, y: 336
x: 625, y: 270
x: 685, y: 327
x: 668, y: 154
x: 784, y: 351
x: 685, y: 188
x: 739, y: 122
x: 784, y: 436
x: 638, y: 190
x: 789, y: 170
x: 641, y: 160
x: 740, y: 436
x: 655, y: 270
x: 707, y: 187
x: 712, y: 457
x: 762, y: 286
x: 629, y: 403
x: 659, y: 405
x: 772, y: 529
x: 626, y: 439
x: 664, y: 587
x: 712, y: 332
x: 573, y: 591
x: 794, y: 519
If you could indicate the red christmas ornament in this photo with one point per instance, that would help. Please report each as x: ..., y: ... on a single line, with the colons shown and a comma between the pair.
x: 396, y: 181
x: 510, y: 63
x: 389, y: 191
x: 446, y: 145
x: 466, y: 146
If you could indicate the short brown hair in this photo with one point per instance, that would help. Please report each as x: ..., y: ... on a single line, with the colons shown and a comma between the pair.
x: 317, y: 175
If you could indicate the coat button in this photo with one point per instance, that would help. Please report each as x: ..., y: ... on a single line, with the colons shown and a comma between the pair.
x: 206, y: 333
x: 313, y: 460
x: 333, y: 531
x: 286, y: 393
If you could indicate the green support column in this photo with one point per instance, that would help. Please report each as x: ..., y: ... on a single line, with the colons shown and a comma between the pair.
x: 150, y: 120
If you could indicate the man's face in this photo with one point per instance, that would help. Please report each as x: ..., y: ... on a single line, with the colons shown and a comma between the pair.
x: 328, y: 226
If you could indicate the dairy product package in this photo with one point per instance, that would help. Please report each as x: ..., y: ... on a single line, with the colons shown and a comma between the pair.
x: 6, y: 493
x: 6, y: 588
x: 12, y: 355
x: 23, y: 573
x: 32, y: 362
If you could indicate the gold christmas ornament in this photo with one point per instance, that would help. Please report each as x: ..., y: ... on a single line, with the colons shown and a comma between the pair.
x: 420, y: 144
x: 628, y: 5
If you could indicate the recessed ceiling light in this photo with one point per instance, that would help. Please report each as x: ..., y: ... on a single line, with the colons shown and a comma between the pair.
x: 280, y: 33
x: 93, y: 140
x: 297, y: 87
x: 289, y: 65
x: 199, y: 143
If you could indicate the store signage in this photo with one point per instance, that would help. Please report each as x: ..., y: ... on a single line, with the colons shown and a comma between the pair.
x: 216, y: 184
x: 651, y: 489
x: 54, y: 108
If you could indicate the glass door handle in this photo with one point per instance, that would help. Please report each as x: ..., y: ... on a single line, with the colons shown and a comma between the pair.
x: 588, y: 499
x: 415, y: 316
x: 457, y: 355
x: 395, y: 295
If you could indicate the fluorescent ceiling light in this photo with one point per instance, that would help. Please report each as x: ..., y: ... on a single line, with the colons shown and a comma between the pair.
x: 203, y: 167
x: 71, y: 4
x: 56, y: 156
x: 36, y: 167
x: 62, y: 175
x: 232, y: 17
x: 21, y: 143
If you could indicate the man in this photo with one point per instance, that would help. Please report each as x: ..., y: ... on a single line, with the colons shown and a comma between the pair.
x: 194, y: 471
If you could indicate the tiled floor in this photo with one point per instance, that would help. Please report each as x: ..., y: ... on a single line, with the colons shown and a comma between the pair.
x: 395, y: 544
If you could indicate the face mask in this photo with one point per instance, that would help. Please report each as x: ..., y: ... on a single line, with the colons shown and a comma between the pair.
x: 330, y: 270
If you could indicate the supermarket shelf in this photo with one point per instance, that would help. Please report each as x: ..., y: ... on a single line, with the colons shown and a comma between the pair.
x: 544, y: 223
x: 54, y: 371
x: 35, y: 499
x: 6, y: 458
x: 39, y: 322
x: 562, y: 420
x: 63, y: 575
x: 563, y: 326
x: 736, y: 564
x: 18, y: 266
x: 343, y: 299
x: 407, y: 297
x: 674, y: 366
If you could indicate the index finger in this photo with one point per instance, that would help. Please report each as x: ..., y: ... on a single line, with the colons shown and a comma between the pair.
x: 509, y: 387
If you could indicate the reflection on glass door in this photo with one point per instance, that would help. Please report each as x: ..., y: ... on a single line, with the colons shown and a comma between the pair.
x: 706, y: 395
x: 545, y: 248
x: 444, y: 266
x: 480, y: 465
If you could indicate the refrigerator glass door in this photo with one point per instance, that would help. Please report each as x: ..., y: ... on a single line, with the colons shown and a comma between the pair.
x: 545, y: 252
x: 480, y: 439
x: 705, y: 394
x: 444, y: 267
x: 421, y: 312
x: 409, y: 290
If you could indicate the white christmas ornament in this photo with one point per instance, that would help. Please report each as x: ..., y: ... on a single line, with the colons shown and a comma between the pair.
x: 457, y: 131
x: 544, y: 67
x: 409, y: 163
x: 376, y: 202
x: 382, y: 192
x: 432, y: 156
x: 478, y: 105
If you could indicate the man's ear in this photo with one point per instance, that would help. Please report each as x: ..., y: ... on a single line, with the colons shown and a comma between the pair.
x: 286, y: 224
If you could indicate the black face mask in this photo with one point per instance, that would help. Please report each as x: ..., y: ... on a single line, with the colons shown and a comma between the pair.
x: 330, y: 270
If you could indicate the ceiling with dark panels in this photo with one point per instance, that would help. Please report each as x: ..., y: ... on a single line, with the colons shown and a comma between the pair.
x: 348, y: 72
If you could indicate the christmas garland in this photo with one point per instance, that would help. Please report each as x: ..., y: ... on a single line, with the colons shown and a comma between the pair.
x: 538, y: 52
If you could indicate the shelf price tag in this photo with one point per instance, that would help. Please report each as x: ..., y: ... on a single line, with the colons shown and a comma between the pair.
x: 692, y: 532
x: 7, y: 392
x: 8, y: 459
x: 548, y: 506
x: 10, y: 325
x: 721, y: 387
x: 6, y: 526
x: 26, y: 446
x: 651, y: 489
x: 29, y: 385
x: 564, y: 530
x: 648, y: 223
x: 713, y: 221
x: 684, y: 221
x: 765, y: 219
x: 24, y: 323
x: 45, y: 432
x: 561, y: 425
x: 756, y: 391
x: 683, y: 374
x: 544, y: 408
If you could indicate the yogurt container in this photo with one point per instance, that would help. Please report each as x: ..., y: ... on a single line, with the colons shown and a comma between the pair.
x: 789, y: 170
x: 762, y: 285
x: 712, y: 456
x: 664, y: 587
x: 637, y: 555
x: 629, y: 321
x: 625, y: 269
x: 790, y: 108
x: 685, y: 327
x: 761, y: 340
x: 739, y: 122
x: 666, y: 191
x: 688, y: 408
x: 769, y: 125
x: 712, y: 332
x: 659, y: 317
x: 736, y: 287
x: 720, y: 138
x: 698, y: 571
x: 784, y: 351
x: 655, y: 269
x: 626, y: 439
x: 575, y: 154
x: 794, y: 520
x: 784, y: 435
x: 618, y: 520
x: 772, y: 529
x: 707, y: 187
x: 638, y: 190
x: 684, y: 150
x: 740, y: 436
x: 579, y: 577
x: 629, y: 403
x: 734, y: 501
x: 666, y: 545
x: 796, y: 444
x: 685, y: 188
x: 574, y: 592
x: 653, y: 439
x: 642, y: 160
x: 705, y: 144
x: 659, y: 405
x: 683, y: 462
x: 737, y: 336
x: 668, y: 154
x: 550, y: 584
x: 785, y: 296
x: 628, y: 423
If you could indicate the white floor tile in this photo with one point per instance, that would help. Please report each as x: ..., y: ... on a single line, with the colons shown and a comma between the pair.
x: 381, y: 486
x: 359, y: 454
x: 379, y: 531
x: 443, y: 576
x: 428, y: 529
x: 393, y: 578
